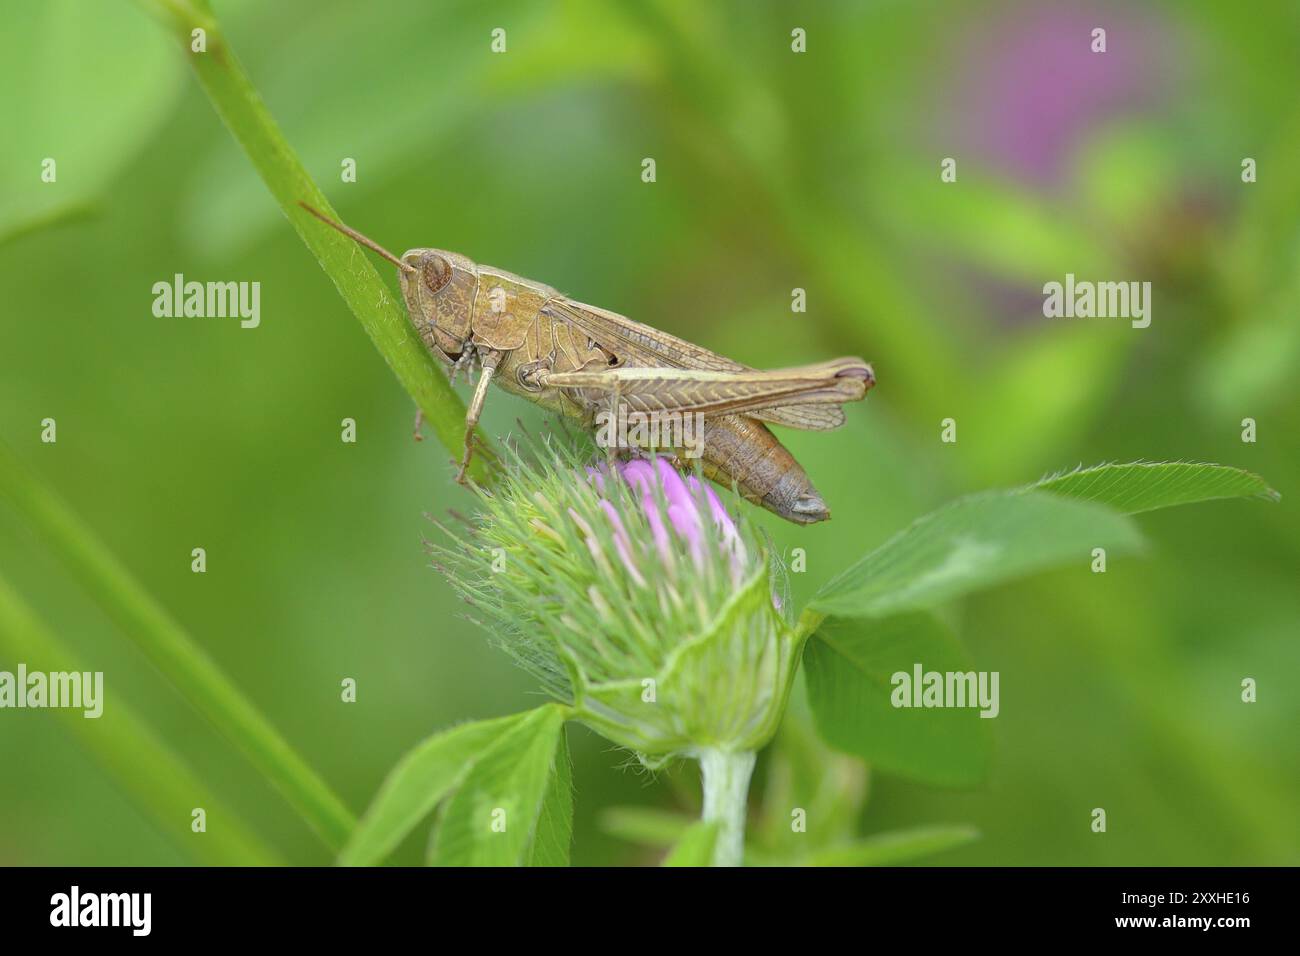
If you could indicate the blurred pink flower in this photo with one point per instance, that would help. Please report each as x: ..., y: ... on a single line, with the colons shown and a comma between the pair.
x: 1027, y: 91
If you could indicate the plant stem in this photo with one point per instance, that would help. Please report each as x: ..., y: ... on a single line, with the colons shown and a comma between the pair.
x: 240, y: 107
x: 809, y: 621
x: 726, y: 776
x: 173, y: 651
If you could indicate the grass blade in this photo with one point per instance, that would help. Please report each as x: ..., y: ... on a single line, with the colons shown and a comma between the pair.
x: 897, y: 846
x: 173, y: 651
x: 648, y: 826
x: 125, y: 746
x: 240, y: 107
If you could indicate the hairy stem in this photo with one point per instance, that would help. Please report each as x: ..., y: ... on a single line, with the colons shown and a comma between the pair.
x: 726, y: 776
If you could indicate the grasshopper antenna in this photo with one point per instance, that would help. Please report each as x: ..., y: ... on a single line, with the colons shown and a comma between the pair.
x: 360, y: 239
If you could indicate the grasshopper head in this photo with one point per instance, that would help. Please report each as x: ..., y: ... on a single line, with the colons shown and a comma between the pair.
x: 438, y: 287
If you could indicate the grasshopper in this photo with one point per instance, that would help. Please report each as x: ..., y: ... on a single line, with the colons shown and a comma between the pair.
x: 579, y: 360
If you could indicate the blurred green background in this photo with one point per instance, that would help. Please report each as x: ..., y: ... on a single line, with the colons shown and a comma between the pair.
x: 775, y: 170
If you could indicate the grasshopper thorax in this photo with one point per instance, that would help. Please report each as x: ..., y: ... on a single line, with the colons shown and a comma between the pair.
x: 439, y: 289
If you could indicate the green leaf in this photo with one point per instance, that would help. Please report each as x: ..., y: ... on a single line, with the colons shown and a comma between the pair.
x: 975, y: 542
x: 696, y: 845
x: 415, y: 785
x: 92, y: 107
x: 494, y: 815
x: 898, y: 846
x: 849, y: 666
x: 1146, y: 486
x: 555, y: 822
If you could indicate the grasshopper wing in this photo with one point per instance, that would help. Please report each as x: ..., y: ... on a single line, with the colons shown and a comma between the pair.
x: 637, y: 344
x: 818, y: 418
x: 658, y: 389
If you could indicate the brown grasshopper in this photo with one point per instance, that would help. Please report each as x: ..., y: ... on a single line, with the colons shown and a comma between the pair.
x: 579, y: 360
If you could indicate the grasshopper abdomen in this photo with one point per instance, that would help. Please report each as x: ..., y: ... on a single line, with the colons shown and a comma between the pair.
x: 744, y: 452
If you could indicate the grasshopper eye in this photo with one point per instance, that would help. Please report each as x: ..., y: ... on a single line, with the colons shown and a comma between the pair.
x: 436, y: 272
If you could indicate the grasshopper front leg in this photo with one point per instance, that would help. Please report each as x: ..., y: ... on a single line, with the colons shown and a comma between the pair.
x: 490, y: 360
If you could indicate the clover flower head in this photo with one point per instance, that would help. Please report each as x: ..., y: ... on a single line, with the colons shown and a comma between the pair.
x: 634, y: 594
